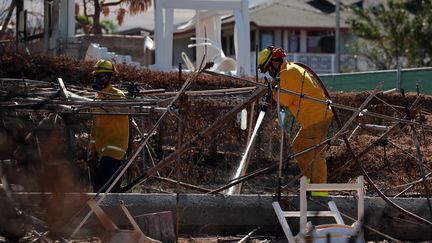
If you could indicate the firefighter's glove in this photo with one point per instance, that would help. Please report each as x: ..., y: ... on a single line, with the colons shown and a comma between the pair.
x: 269, y: 90
x: 133, y: 90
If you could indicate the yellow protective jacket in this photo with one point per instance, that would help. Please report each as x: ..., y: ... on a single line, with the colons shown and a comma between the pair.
x: 297, y: 79
x: 110, y: 133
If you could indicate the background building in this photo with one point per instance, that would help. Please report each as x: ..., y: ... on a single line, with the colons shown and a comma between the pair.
x: 305, y: 29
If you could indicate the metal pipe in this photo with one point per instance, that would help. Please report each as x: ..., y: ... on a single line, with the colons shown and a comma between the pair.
x: 354, y: 157
x: 419, y: 154
x: 185, y: 146
x: 185, y: 185
x: 244, y: 239
x: 282, y: 131
x: 269, y: 168
x: 332, y: 104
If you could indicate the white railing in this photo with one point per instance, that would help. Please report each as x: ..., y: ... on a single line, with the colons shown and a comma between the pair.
x: 321, y: 63
x: 96, y: 52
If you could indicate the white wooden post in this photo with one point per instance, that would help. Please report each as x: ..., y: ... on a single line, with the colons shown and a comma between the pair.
x: 168, y: 39
x: 303, y: 205
x: 67, y: 20
x: 243, y: 39
x: 360, y: 199
x: 159, y: 33
x: 285, y: 40
x: 303, y: 41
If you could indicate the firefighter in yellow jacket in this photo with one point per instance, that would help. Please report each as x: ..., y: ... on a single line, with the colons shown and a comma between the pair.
x: 314, y: 118
x: 110, y: 133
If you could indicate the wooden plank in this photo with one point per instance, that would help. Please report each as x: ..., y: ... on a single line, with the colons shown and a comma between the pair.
x: 159, y: 226
x: 103, y: 218
x: 137, y: 231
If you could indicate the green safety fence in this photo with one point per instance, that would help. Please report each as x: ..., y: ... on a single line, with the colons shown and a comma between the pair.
x: 409, y: 79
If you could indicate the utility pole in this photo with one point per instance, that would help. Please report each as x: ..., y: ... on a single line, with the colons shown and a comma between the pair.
x: 337, y: 37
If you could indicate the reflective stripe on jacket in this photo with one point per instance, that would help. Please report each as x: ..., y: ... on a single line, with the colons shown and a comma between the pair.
x: 294, y: 78
x: 110, y: 133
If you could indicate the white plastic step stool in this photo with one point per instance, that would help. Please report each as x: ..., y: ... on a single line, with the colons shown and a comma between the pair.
x: 338, y: 232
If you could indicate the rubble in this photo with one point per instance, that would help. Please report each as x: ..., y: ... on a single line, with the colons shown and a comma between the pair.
x: 45, y: 133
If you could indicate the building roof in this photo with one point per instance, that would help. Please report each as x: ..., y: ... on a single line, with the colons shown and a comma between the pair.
x: 134, y: 31
x: 298, y: 14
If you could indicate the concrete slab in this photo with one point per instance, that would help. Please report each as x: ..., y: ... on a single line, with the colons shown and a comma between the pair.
x: 202, y: 214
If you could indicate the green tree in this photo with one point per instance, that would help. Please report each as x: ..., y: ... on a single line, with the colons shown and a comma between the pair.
x: 123, y: 7
x: 421, y: 52
x: 384, y: 32
x: 84, y: 25
x: 108, y: 26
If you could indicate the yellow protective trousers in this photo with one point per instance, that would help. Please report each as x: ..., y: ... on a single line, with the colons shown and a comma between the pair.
x: 308, y: 137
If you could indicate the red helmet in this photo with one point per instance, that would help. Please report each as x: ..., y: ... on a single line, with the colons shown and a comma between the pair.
x: 278, y: 52
x: 267, y: 54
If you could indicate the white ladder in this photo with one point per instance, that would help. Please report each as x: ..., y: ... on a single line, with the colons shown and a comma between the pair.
x: 338, y: 232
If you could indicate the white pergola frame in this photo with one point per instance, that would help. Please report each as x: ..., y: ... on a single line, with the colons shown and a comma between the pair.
x: 164, y: 22
x: 62, y: 22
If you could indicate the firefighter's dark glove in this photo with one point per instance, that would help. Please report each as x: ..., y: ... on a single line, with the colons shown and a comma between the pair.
x: 133, y: 90
x: 269, y: 90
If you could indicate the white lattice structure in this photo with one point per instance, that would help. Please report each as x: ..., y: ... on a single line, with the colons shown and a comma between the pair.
x: 210, y: 21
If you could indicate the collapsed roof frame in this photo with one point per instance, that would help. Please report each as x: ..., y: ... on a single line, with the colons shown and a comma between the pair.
x: 259, y: 91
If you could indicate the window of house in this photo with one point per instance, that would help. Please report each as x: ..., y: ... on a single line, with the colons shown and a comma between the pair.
x: 224, y: 44
x: 231, y: 50
x: 228, y: 44
x: 321, y: 42
x: 252, y: 40
x: 294, y: 41
x: 313, y: 39
x: 327, y: 43
x: 266, y: 38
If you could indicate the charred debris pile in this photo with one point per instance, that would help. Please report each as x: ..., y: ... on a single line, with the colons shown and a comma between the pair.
x: 39, y: 140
